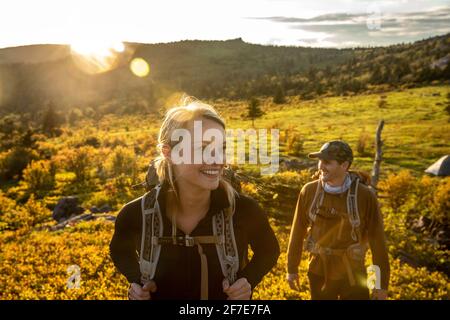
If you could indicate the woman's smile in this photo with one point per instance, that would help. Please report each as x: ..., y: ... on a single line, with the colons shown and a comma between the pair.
x: 211, y: 173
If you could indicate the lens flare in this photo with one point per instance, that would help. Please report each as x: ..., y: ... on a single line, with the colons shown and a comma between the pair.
x: 93, y: 56
x: 139, y: 67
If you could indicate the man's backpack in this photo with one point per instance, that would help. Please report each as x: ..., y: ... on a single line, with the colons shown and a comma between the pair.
x: 355, y: 251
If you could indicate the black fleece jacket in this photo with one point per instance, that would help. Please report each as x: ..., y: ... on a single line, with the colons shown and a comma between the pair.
x: 178, y: 271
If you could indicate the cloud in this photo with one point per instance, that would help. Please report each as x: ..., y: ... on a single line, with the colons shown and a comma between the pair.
x: 368, y: 29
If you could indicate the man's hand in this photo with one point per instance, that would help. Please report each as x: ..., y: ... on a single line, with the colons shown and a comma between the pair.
x: 138, y: 292
x: 379, y: 294
x: 240, y: 290
x: 293, y: 280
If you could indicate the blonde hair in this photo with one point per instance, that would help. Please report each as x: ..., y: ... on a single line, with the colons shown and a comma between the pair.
x: 178, y: 118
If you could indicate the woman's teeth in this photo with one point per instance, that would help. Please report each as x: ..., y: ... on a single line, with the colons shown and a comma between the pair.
x: 210, y: 172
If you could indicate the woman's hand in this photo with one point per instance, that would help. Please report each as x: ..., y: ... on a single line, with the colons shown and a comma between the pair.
x: 240, y: 290
x: 379, y: 294
x: 293, y: 280
x: 138, y: 292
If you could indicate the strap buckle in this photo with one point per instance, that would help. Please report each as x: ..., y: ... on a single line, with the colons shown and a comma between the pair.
x: 189, y: 241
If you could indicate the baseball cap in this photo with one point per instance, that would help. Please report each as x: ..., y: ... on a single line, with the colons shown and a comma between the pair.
x: 334, y: 150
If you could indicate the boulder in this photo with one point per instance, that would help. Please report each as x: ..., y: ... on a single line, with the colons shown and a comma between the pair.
x: 67, y: 207
x: 94, y: 209
x: 106, y: 208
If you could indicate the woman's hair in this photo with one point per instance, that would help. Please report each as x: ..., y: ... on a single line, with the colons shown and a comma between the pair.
x: 179, y: 118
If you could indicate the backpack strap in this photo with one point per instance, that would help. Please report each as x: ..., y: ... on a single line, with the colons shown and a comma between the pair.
x: 152, y: 228
x: 189, y: 241
x: 352, y: 209
x: 152, y: 239
x: 316, y: 203
x: 227, y: 250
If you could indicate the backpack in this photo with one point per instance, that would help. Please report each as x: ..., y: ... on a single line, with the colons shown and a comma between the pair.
x: 356, y: 251
x: 152, y: 242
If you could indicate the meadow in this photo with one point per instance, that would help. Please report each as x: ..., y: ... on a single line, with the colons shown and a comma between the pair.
x: 99, y: 160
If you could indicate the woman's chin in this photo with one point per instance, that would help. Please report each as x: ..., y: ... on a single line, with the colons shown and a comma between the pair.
x: 209, y: 183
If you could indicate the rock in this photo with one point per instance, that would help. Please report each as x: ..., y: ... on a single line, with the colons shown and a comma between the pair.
x: 294, y: 164
x: 405, y: 257
x: 94, y: 209
x: 72, y: 221
x: 67, y: 207
x: 106, y: 208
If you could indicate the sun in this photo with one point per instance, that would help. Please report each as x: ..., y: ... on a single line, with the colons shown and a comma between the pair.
x: 96, y: 56
x: 97, y: 48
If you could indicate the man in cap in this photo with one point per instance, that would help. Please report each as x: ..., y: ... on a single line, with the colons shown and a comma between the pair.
x: 339, y: 216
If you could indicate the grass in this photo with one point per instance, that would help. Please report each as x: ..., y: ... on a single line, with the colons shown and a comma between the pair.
x: 416, y: 133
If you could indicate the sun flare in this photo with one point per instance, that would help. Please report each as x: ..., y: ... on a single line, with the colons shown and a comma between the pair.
x: 93, y: 56
x: 97, y: 48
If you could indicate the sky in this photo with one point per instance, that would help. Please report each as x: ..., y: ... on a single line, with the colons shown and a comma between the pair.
x: 319, y: 23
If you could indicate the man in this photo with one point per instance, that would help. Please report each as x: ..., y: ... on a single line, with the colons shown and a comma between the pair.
x: 339, y: 216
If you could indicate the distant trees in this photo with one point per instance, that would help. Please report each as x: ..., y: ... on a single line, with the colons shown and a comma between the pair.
x: 51, y: 120
x: 376, y: 75
x: 236, y: 70
x: 254, y: 110
x: 279, y: 96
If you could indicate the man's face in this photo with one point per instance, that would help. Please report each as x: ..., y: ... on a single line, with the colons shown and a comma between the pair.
x: 331, y: 170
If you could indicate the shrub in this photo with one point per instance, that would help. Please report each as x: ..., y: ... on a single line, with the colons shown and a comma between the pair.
x: 397, y: 188
x: 37, y: 211
x: 79, y: 161
x: 12, y: 216
x: 441, y: 200
x: 39, y: 176
x: 122, y: 161
x: 294, y: 145
x: 362, y: 143
x: 14, y: 161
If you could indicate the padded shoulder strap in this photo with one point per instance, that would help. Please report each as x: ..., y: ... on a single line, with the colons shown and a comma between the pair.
x: 226, y: 251
x: 352, y: 209
x: 152, y: 228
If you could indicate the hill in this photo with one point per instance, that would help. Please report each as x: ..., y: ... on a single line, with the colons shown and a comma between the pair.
x: 230, y: 69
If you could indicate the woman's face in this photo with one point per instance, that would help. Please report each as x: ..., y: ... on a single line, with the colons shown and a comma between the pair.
x: 204, y: 173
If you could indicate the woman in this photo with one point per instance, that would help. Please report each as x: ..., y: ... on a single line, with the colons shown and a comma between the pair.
x: 205, y: 230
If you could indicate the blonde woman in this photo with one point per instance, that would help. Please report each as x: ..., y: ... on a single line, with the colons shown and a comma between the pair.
x: 199, y: 247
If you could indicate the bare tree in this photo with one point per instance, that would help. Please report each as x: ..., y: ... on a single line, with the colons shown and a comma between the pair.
x: 378, y: 155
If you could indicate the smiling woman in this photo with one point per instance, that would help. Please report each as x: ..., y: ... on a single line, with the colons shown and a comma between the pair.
x: 192, y: 231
